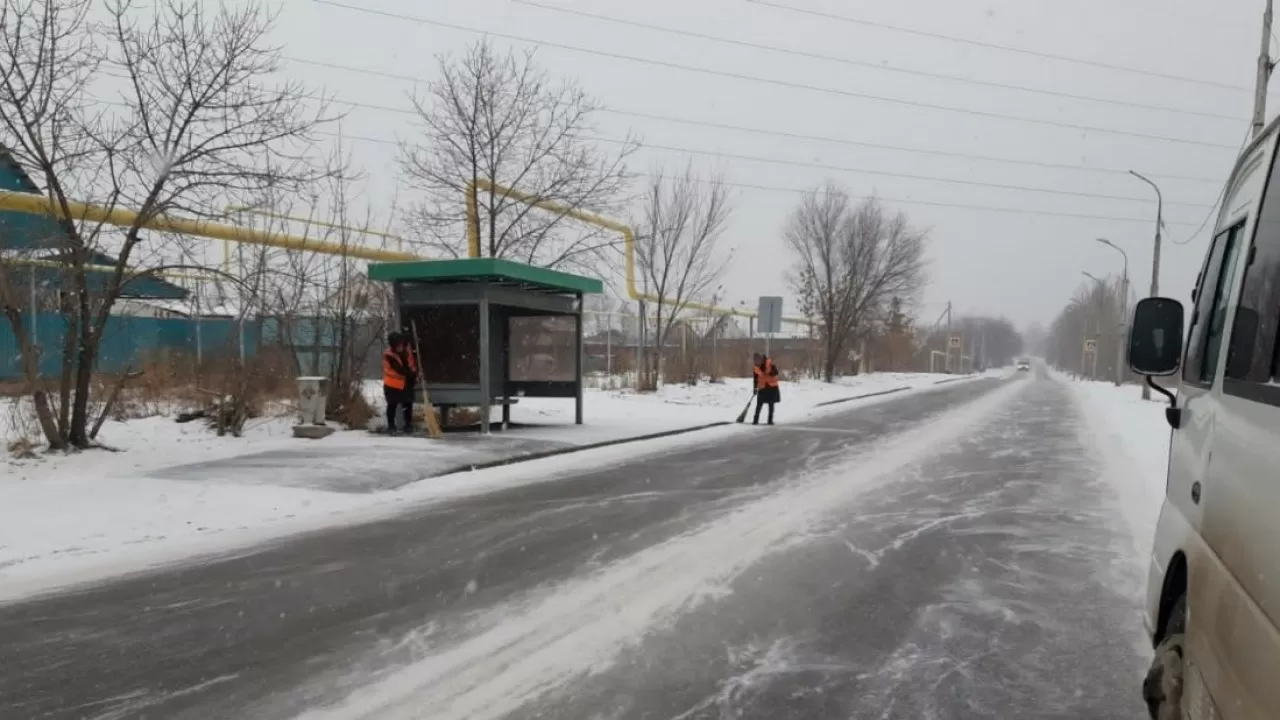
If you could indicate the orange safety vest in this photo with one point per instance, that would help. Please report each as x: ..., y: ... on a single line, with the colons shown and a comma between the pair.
x: 391, y: 376
x: 765, y: 376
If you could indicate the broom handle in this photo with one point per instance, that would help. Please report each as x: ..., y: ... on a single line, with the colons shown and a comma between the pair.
x: 433, y: 425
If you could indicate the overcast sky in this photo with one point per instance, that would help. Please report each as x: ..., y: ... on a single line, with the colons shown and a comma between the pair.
x: 1022, y: 264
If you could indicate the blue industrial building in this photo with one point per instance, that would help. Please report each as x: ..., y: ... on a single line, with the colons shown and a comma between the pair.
x: 33, y: 244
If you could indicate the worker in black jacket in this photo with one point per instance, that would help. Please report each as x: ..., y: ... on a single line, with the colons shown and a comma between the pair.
x: 399, y: 370
x: 767, y: 390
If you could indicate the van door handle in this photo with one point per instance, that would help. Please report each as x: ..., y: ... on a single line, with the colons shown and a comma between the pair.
x: 1195, y: 492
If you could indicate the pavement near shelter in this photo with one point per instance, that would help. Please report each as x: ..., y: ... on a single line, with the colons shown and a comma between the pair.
x: 832, y: 568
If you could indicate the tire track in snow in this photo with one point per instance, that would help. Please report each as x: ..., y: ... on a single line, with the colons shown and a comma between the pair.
x: 579, y: 627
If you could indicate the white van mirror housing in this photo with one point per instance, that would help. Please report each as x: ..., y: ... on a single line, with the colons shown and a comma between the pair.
x: 1155, y: 337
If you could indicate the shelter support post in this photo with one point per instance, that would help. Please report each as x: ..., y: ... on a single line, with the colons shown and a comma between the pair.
x: 505, y: 359
x: 486, y: 392
x: 577, y: 364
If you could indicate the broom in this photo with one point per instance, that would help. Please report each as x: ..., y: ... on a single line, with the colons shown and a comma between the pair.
x: 433, y: 425
x: 742, y: 416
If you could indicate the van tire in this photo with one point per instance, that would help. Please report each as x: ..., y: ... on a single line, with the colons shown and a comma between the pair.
x: 1162, y: 688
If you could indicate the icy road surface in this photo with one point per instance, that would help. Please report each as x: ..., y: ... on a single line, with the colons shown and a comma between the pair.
x: 949, y: 554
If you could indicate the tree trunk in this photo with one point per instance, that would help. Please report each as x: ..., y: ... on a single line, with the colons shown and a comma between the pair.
x: 78, y: 432
x: 69, y: 343
x: 29, y: 354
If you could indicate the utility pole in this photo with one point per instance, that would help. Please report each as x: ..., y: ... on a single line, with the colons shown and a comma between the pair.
x: 1264, y: 75
x: 948, y: 368
x: 1155, y: 253
x: 1121, y: 335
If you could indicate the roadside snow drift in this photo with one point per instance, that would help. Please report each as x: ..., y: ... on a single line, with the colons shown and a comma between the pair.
x: 1131, y: 440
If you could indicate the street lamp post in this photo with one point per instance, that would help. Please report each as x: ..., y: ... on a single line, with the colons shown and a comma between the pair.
x: 1124, y: 310
x: 1093, y: 373
x: 1155, y: 255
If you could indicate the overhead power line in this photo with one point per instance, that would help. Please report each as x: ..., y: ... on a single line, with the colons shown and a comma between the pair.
x: 745, y: 129
x: 994, y: 46
x: 871, y: 65
x: 903, y: 201
x: 774, y: 82
x: 838, y: 168
x: 920, y: 151
x: 905, y: 176
x: 957, y: 206
x: 767, y: 132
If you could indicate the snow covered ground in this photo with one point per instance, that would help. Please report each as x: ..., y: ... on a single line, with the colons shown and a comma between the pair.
x: 612, y: 414
x: 174, y: 491
x: 1131, y: 439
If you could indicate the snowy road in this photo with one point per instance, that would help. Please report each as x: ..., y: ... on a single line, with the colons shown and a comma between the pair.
x: 948, y: 554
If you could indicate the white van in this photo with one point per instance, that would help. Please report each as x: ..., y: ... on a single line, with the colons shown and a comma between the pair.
x: 1213, y: 599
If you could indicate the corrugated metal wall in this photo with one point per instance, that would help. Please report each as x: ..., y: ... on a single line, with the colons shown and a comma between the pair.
x: 128, y: 340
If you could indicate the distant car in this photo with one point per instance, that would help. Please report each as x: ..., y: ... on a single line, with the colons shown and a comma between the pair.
x: 1024, y: 365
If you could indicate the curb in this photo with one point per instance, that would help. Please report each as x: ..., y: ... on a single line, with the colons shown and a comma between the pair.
x: 954, y: 379
x: 863, y: 396
x: 572, y: 449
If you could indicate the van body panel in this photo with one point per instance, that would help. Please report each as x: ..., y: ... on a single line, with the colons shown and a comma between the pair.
x: 1174, y: 533
x: 1222, y: 504
x: 1230, y: 643
x: 1243, y: 524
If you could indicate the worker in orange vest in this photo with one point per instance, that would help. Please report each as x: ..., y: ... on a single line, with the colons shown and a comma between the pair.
x: 399, y: 371
x: 767, y: 392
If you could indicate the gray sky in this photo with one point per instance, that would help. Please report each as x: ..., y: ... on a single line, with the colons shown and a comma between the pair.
x: 1023, y: 265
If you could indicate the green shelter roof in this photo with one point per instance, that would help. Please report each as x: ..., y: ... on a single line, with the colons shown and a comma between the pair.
x: 490, y: 270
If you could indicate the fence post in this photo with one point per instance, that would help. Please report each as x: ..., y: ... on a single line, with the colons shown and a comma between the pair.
x: 640, y: 347
x: 199, y: 339
x: 34, y: 310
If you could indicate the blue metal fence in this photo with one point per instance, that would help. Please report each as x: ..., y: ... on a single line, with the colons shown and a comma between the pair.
x: 128, y: 340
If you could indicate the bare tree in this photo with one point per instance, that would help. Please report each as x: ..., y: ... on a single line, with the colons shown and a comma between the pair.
x: 1093, y: 313
x: 195, y: 121
x: 325, y: 314
x: 676, y: 254
x: 849, y: 263
x: 986, y: 341
x: 500, y: 118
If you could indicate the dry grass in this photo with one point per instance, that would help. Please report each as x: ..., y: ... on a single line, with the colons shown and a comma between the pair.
x: 20, y: 428
x: 463, y: 417
x: 167, y: 384
x: 350, y: 407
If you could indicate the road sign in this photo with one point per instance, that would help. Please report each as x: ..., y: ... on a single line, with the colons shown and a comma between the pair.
x: 955, y: 341
x: 1090, y: 345
x: 769, y: 315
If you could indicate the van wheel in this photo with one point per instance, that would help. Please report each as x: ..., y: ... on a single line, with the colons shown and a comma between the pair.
x: 1162, y: 688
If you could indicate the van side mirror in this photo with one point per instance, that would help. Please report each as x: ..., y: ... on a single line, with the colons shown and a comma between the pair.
x: 1155, y: 337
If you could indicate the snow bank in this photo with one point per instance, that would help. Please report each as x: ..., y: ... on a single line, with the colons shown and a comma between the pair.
x: 611, y: 414
x: 177, y: 490
x: 1131, y: 438
x: 82, y: 527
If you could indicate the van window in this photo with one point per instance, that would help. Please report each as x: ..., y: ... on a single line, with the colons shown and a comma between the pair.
x: 1209, y: 317
x: 1253, y: 354
x: 1221, y: 299
x: 1253, y: 339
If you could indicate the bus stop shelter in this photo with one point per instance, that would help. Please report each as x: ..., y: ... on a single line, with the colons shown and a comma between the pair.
x: 489, y: 331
